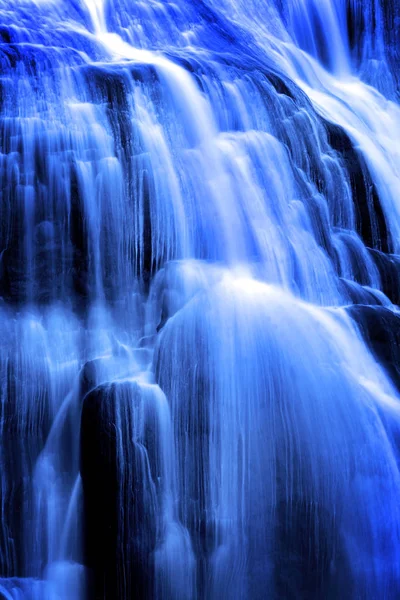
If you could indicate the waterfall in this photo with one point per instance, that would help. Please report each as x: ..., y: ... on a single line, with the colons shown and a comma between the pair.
x: 200, y: 291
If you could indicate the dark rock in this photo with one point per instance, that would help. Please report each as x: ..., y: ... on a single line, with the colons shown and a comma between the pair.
x: 358, y: 294
x: 88, y: 377
x: 119, y: 471
x: 79, y: 240
x: 355, y: 28
x: 24, y: 426
x: 389, y: 270
x: 308, y: 561
x: 371, y: 222
x: 380, y: 328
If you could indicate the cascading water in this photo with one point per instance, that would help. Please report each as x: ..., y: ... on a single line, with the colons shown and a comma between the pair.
x: 200, y: 280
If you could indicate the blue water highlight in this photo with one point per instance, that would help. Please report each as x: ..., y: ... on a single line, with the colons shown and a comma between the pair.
x: 200, y: 291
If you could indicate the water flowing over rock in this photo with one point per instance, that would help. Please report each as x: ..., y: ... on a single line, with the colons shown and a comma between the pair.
x: 199, y: 300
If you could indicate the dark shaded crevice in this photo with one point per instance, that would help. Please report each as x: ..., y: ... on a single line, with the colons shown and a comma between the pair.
x: 120, y: 518
x: 371, y: 223
x: 380, y: 328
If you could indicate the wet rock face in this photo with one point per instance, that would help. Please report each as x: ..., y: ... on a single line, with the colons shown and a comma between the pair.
x: 46, y: 280
x: 371, y: 223
x: 119, y: 500
x: 374, y: 26
x: 355, y: 27
x: 391, y: 16
x: 381, y: 330
x: 389, y: 270
x: 23, y: 431
x: 309, y: 562
x: 107, y: 187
